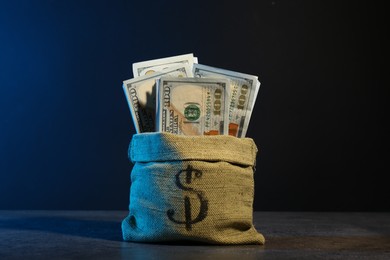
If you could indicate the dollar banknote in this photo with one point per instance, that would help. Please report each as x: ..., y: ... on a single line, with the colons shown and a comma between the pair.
x: 145, y: 67
x: 193, y: 106
x: 243, y: 93
x: 141, y: 96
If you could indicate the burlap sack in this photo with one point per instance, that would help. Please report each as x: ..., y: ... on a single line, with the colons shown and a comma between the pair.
x: 191, y: 188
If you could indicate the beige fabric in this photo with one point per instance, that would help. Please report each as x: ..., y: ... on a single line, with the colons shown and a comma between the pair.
x: 197, y: 188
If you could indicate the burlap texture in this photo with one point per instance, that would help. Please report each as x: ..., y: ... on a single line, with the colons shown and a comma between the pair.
x: 196, y: 188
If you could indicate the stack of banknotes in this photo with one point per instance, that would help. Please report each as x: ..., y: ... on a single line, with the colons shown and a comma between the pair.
x: 178, y: 95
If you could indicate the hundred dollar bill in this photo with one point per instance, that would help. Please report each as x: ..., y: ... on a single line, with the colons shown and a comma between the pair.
x: 150, y: 66
x: 193, y: 106
x: 243, y: 92
x: 141, y: 96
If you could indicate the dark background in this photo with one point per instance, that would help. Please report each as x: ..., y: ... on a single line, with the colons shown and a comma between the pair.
x: 319, y: 119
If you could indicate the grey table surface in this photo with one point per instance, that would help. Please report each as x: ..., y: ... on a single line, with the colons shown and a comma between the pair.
x: 289, y: 235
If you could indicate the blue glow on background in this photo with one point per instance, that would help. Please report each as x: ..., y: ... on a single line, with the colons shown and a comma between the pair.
x: 65, y: 124
x: 318, y: 121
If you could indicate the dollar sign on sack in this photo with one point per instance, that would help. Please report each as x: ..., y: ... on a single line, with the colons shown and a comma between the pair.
x: 190, y: 174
